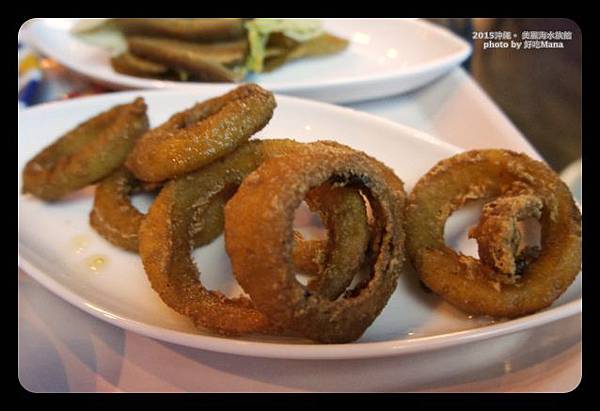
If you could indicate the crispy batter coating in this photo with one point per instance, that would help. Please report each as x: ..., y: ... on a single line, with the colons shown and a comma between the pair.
x: 468, y: 283
x: 86, y: 154
x: 164, y: 239
x: 259, y: 238
x: 165, y: 252
x: 113, y: 215
x: 309, y: 256
x: 196, y: 137
x: 498, y: 236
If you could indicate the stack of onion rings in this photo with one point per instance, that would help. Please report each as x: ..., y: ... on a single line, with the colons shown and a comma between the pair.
x: 471, y: 284
x: 164, y: 239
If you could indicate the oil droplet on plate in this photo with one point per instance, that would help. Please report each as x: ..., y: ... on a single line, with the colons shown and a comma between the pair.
x: 96, y: 262
x: 80, y: 242
x: 391, y: 53
x: 361, y: 38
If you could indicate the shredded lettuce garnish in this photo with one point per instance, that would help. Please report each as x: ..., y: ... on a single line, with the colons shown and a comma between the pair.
x: 259, y: 31
x: 99, y: 33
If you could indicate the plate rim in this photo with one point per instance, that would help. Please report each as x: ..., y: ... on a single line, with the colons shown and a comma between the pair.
x: 126, y: 81
x: 229, y: 345
x: 281, y: 350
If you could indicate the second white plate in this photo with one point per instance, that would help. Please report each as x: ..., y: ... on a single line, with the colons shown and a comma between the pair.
x: 385, y: 57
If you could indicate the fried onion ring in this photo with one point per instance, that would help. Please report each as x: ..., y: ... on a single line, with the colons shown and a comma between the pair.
x: 198, y: 136
x: 86, y: 154
x: 468, y: 283
x: 164, y: 240
x: 202, y: 62
x: 258, y: 238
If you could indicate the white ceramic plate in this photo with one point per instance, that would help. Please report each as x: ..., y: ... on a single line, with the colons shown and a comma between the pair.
x: 385, y: 57
x: 57, y: 245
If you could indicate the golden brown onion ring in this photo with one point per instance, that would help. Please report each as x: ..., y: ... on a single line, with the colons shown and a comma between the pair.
x: 259, y: 236
x: 86, y: 154
x: 468, y: 283
x: 196, y: 137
